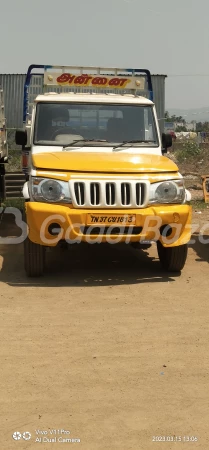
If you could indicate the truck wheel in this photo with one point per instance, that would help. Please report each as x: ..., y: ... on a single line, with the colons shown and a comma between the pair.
x: 172, y: 258
x: 34, y: 258
x: 34, y: 255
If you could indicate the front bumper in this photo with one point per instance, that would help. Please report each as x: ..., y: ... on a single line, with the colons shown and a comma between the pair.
x: 74, y: 229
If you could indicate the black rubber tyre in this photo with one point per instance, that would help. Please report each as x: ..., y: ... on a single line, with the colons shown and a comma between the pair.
x: 140, y: 245
x: 172, y: 258
x: 34, y: 258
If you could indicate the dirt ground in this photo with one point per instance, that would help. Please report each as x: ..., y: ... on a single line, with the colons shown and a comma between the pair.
x: 106, y: 346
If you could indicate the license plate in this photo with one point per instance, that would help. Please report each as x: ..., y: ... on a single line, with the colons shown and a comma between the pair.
x: 111, y: 219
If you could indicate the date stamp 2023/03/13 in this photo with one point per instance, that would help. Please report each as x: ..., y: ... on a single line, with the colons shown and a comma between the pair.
x: 174, y: 438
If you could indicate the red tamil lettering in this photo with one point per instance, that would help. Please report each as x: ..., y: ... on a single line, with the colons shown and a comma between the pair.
x: 95, y: 80
x: 123, y: 81
x: 103, y: 81
x: 87, y: 79
x: 65, y: 78
x: 114, y: 82
x: 82, y: 79
x: 99, y: 81
x: 79, y: 80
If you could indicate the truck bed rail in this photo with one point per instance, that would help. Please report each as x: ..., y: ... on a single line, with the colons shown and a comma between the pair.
x: 81, y: 79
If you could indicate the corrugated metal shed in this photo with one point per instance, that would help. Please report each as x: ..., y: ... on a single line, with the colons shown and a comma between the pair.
x: 158, y: 82
x: 13, y: 97
x: 13, y: 87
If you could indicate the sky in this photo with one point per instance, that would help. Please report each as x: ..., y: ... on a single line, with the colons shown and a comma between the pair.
x: 164, y: 36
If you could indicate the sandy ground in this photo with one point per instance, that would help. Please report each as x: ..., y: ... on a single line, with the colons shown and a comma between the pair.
x: 105, y: 346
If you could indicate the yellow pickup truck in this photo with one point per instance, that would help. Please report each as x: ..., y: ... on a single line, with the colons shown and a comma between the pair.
x: 95, y: 166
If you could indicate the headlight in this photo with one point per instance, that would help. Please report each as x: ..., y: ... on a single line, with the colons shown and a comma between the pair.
x: 52, y: 190
x: 49, y: 190
x: 172, y: 191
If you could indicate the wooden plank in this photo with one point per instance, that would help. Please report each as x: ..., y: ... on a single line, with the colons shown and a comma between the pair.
x: 205, y: 182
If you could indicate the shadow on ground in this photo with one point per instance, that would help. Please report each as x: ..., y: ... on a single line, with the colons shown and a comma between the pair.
x: 200, y: 245
x: 82, y: 264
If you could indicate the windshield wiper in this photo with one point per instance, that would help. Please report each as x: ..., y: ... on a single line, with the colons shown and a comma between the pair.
x: 82, y: 140
x: 134, y: 141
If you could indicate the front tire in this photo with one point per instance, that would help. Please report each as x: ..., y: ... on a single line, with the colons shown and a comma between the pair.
x: 34, y: 258
x: 172, y: 259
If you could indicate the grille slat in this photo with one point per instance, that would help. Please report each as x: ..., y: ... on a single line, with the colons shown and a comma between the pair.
x: 110, y: 194
x: 94, y: 194
x: 138, y: 193
x: 79, y: 189
x: 79, y: 194
x: 125, y: 194
x: 101, y: 193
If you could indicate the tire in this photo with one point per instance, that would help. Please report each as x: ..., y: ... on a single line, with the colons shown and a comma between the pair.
x: 34, y: 257
x: 140, y: 246
x: 172, y: 258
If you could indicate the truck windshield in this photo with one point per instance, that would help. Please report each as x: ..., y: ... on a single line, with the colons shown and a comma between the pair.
x: 104, y: 125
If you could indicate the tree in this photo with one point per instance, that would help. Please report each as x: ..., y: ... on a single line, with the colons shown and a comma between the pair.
x: 174, y: 118
x: 202, y: 126
x: 179, y: 129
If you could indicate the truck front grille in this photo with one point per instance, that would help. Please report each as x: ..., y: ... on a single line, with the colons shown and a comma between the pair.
x: 109, y: 194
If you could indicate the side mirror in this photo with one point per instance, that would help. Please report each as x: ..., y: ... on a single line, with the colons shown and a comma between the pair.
x: 166, y: 141
x: 21, y: 137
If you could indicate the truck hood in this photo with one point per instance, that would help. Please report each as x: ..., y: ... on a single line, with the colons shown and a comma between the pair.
x: 103, y: 162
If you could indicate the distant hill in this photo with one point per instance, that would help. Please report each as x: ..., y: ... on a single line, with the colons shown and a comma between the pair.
x: 199, y: 115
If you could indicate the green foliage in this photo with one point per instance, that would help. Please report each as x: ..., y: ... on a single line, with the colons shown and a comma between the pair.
x: 14, y: 163
x: 190, y: 150
x: 179, y: 129
x: 198, y: 205
x: 174, y: 118
x: 11, y: 140
x: 14, y: 203
x: 202, y: 126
